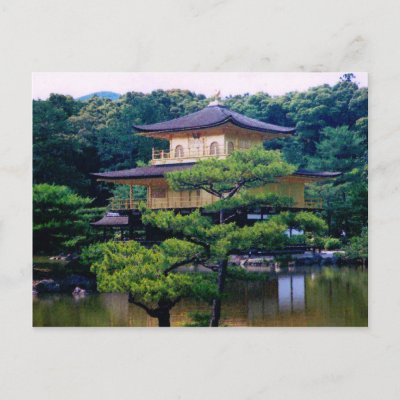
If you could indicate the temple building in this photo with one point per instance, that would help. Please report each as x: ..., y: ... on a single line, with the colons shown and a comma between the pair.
x: 214, y: 131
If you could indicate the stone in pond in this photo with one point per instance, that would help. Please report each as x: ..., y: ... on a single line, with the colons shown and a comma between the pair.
x: 47, y: 286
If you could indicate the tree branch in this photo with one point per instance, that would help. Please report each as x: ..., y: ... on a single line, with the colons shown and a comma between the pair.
x: 201, y: 185
x: 176, y: 301
x: 210, y: 267
x: 149, y: 311
x: 237, y: 212
x: 236, y: 189
x: 211, y: 190
x: 180, y: 264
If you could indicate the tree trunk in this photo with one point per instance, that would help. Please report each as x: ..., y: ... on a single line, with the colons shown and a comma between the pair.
x: 216, y: 305
x: 164, y: 318
x: 216, y: 311
x: 162, y: 312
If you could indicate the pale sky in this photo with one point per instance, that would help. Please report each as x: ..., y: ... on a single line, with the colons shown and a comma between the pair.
x: 78, y: 84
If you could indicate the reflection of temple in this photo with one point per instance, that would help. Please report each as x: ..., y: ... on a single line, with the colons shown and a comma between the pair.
x: 291, y: 292
x: 281, y: 301
x: 284, y: 294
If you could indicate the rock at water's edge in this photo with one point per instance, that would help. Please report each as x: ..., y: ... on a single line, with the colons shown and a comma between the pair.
x: 47, y: 286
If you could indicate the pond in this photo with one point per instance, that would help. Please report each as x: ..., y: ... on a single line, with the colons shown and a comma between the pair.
x: 307, y: 296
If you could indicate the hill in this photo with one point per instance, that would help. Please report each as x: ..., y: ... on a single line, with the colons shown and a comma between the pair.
x: 107, y: 95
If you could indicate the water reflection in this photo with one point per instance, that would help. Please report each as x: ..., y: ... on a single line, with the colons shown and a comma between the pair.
x: 291, y: 292
x: 310, y: 296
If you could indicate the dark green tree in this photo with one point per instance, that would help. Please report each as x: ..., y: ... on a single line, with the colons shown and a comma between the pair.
x: 345, y: 199
x: 61, y: 219
x: 59, y: 155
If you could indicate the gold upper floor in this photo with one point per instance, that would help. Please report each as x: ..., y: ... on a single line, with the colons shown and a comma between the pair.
x: 191, y: 146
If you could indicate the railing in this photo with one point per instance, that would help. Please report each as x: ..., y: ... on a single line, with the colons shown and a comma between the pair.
x: 193, y: 201
x: 125, y: 204
x: 181, y: 202
x: 162, y: 203
x: 189, y: 152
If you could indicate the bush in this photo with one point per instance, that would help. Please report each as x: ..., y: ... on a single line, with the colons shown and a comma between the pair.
x: 198, y: 319
x: 357, y: 249
x: 332, y: 244
x: 92, y: 254
x: 316, y: 241
x: 297, y: 240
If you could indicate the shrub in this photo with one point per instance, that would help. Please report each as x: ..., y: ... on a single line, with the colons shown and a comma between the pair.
x: 357, y: 249
x: 198, y: 319
x: 332, y: 244
x: 296, y: 240
x: 316, y: 241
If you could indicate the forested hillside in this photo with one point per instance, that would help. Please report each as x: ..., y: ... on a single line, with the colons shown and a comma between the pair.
x: 72, y: 138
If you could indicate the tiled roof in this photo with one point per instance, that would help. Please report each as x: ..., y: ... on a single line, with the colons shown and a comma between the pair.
x: 321, y: 174
x: 158, y: 171
x: 121, y: 220
x: 213, y: 116
x: 155, y: 171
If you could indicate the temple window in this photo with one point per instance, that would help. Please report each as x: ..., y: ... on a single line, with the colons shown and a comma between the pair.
x: 214, y: 149
x: 231, y: 147
x: 178, y: 151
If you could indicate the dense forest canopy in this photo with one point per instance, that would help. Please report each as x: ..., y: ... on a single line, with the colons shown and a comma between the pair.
x: 72, y: 138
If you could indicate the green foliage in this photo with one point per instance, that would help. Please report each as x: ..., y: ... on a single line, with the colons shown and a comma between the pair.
x: 122, y: 192
x: 357, y: 249
x: 224, y: 178
x: 92, y: 254
x: 246, y: 199
x: 345, y: 202
x: 315, y: 241
x: 219, y: 240
x: 339, y: 150
x: 297, y: 240
x: 59, y: 155
x: 61, y: 218
x: 303, y: 220
x: 268, y: 235
x: 193, y: 225
x: 332, y: 244
x: 238, y: 273
x: 146, y: 274
x: 72, y: 138
x: 198, y: 319
x: 309, y: 222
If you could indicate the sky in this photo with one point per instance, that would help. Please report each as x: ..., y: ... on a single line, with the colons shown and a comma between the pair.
x: 78, y: 84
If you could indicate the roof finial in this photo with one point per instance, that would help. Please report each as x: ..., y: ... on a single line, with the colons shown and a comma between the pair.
x: 216, y: 99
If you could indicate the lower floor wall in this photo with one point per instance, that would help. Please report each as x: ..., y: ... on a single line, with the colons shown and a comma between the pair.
x: 160, y: 196
x: 163, y: 197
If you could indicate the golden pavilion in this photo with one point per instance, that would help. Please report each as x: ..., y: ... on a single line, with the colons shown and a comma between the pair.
x: 214, y: 131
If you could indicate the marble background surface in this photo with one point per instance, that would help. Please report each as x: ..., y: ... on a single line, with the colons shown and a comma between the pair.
x: 207, y: 35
